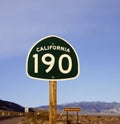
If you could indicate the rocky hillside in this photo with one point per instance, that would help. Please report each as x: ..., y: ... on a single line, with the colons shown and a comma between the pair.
x: 10, y: 106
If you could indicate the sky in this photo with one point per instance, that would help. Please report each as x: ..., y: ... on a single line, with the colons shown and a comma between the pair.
x: 92, y: 27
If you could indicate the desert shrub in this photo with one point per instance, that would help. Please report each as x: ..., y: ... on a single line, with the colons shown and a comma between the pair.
x: 38, y: 117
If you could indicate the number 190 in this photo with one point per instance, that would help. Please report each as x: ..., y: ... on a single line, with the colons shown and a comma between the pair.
x: 51, y: 62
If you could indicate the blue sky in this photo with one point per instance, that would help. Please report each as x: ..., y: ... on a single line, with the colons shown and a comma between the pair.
x: 92, y: 27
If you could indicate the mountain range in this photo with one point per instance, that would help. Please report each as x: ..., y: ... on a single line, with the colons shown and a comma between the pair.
x: 86, y: 107
x: 91, y: 107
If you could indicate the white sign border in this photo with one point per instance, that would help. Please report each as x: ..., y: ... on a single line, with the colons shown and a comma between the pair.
x: 52, y: 79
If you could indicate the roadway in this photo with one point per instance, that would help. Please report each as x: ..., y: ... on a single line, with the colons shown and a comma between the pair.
x: 15, y: 120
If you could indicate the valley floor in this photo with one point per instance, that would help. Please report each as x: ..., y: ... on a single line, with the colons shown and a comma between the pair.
x: 72, y: 119
x: 92, y: 119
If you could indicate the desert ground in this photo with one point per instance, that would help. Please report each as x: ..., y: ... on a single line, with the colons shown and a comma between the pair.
x: 42, y: 118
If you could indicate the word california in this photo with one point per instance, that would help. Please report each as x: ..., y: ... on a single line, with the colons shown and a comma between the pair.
x: 52, y: 47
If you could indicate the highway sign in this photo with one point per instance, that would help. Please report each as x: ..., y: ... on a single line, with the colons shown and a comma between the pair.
x: 72, y: 109
x: 52, y: 58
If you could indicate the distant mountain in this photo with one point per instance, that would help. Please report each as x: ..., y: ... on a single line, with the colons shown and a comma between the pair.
x: 86, y: 107
x: 10, y: 106
x: 92, y: 107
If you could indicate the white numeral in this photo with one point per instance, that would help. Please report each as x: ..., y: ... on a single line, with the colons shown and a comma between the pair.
x: 49, y: 59
x: 69, y: 65
x: 51, y: 62
x: 35, y: 56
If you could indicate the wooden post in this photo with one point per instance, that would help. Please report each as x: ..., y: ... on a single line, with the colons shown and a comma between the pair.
x: 52, y: 102
x: 77, y: 118
x: 67, y: 117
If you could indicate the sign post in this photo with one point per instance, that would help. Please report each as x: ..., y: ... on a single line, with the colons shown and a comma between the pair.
x: 52, y: 58
x: 52, y: 103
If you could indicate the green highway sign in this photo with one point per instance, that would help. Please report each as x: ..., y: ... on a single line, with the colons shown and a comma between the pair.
x: 52, y: 58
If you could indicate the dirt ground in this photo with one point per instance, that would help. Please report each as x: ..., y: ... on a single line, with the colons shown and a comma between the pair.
x: 94, y: 119
x: 82, y: 119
